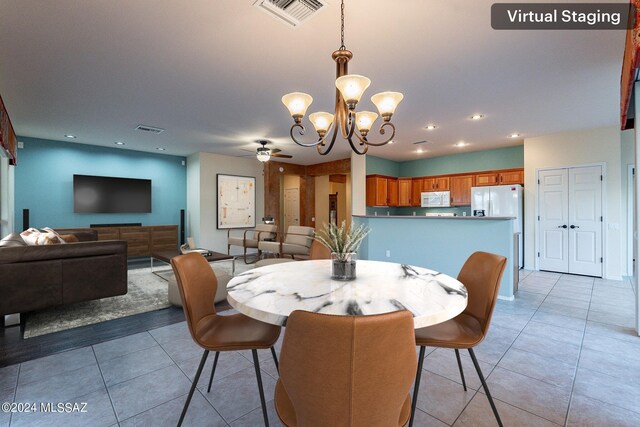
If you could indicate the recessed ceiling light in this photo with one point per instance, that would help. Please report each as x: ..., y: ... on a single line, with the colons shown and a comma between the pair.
x: 419, y: 150
x: 390, y: 142
x: 477, y: 117
x: 70, y: 136
x: 119, y: 143
x: 430, y: 127
x: 514, y: 135
x: 461, y: 144
x: 160, y: 148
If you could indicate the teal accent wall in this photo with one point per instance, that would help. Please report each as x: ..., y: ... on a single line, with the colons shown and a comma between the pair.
x: 501, y: 158
x: 44, y: 182
x: 376, y: 165
x: 439, y: 244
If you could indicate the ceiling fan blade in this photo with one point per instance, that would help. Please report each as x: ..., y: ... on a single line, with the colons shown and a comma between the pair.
x: 284, y: 156
x: 275, y: 150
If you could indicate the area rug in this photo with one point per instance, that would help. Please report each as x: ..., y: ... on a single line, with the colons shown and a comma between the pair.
x: 147, y: 292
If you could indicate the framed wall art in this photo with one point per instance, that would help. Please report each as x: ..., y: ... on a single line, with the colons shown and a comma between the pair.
x: 236, y: 201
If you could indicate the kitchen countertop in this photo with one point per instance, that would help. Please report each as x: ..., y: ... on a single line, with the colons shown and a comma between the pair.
x: 476, y: 218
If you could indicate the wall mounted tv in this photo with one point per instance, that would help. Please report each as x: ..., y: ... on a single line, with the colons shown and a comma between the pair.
x: 104, y: 194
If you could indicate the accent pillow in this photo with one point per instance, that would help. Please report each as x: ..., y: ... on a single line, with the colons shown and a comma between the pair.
x: 12, y: 240
x: 35, y: 237
x: 69, y: 238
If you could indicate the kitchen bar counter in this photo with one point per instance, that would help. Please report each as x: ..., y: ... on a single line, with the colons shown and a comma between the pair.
x: 442, y: 243
x: 482, y: 218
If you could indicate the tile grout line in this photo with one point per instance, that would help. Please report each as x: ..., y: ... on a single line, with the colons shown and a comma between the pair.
x: 113, y: 408
x: 575, y: 375
x: 188, y: 379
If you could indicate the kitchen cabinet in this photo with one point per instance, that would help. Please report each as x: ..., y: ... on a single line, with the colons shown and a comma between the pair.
x: 382, y: 190
x: 376, y: 191
x: 489, y: 178
x: 461, y: 190
x: 404, y: 191
x: 440, y: 183
x: 511, y: 177
x: 392, y: 192
x: 416, y: 189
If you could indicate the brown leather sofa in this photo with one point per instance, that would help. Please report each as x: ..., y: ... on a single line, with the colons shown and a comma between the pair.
x: 38, y: 277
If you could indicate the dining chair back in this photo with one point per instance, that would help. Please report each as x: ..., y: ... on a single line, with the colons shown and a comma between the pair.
x: 319, y: 251
x: 197, y: 284
x: 346, y: 370
x: 481, y: 275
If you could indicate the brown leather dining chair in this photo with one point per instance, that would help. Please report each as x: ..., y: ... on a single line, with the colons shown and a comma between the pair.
x: 481, y: 275
x: 197, y: 284
x: 346, y: 371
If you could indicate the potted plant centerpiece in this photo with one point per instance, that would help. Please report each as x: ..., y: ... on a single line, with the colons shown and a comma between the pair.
x: 343, y: 244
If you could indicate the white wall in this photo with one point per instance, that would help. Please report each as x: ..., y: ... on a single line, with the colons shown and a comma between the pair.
x: 626, y: 158
x: 6, y: 197
x: 202, y: 169
x: 358, y: 184
x: 192, y: 217
x: 572, y: 149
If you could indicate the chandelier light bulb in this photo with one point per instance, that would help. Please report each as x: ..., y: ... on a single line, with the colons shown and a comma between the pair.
x: 352, y: 86
x: 321, y: 121
x: 297, y: 104
x: 364, y: 120
x: 387, y: 102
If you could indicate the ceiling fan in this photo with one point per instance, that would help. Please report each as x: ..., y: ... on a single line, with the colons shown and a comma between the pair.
x: 264, y: 154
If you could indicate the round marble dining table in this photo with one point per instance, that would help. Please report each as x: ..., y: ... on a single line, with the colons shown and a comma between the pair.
x: 271, y: 293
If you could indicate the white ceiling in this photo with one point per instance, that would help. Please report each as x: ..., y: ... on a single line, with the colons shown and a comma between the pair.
x: 212, y: 73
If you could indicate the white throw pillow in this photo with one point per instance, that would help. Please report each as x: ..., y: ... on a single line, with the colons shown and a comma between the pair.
x: 35, y: 237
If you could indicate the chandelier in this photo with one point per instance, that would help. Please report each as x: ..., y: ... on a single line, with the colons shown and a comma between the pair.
x: 349, y: 90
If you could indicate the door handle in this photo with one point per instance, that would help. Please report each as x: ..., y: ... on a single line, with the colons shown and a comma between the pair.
x: 574, y: 226
x: 562, y: 226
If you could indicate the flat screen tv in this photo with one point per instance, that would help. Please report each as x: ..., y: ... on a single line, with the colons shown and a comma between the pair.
x: 104, y: 194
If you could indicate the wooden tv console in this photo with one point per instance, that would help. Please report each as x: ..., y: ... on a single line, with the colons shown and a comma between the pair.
x: 142, y: 240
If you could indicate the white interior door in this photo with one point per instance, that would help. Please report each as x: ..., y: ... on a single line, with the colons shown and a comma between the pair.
x: 291, y: 207
x: 553, y: 208
x: 585, y: 220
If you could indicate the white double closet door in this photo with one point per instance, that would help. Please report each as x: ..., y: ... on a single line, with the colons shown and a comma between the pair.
x: 570, y: 220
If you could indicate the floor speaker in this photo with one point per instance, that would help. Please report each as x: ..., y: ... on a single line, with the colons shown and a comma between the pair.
x: 181, y: 226
x: 25, y: 219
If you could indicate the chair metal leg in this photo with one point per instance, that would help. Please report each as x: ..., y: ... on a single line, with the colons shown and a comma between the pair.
x: 275, y: 358
x: 193, y: 387
x: 256, y: 364
x: 464, y: 384
x: 484, y: 385
x: 213, y: 371
x: 416, y: 387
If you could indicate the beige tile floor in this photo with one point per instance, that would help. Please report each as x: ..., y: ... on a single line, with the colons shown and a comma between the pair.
x: 562, y: 353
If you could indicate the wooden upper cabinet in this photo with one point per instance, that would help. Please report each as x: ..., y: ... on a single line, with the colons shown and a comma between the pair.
x: 511, y: 177
x: 441, y: 183
x: 416, y: 189
x: 392, y: 192
x: 376, y: 191
x: 461, y: 190
x: 428, y: 184
x: 489, y: 178
x: 404, y: 191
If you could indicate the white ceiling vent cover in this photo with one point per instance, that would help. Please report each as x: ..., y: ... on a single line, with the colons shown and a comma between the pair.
x: 293, y: 12
x: 150, y: 129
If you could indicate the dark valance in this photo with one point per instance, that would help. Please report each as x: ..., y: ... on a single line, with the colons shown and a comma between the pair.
x: 8, y: 140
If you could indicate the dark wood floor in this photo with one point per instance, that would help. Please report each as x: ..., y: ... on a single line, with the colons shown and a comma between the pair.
x: 15, y: 349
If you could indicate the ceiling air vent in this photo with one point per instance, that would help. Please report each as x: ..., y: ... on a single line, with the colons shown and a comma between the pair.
x: 149, y: 129
x: 293, y: 12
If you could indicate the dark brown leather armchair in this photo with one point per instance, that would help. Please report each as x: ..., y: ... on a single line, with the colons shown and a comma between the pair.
x: 38, y: 277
